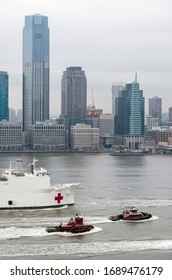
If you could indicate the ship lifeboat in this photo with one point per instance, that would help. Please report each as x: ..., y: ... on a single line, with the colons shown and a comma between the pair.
x: 74, y: 225
x: 131, y: 214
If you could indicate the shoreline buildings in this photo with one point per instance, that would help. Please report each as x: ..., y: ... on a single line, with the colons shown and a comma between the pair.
x: 84, y: 138
x: 10, y: 136
x: 48, y: 136
x: 125, y: 126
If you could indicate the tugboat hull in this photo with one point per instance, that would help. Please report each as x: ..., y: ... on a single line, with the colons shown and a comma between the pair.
x: 118, y: 217
x: 131, y: 215
x: 65, y: 229
x: 73, y: 226
x: 144, y: 216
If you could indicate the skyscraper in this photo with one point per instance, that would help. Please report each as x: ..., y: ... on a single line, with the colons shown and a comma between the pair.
x: 73, y: 94
x: 155, y: 108
x: 129, y: 115
x: 4, y: 110
x: 35, y: 70
x: 170, y: 114
x: 116, y: 91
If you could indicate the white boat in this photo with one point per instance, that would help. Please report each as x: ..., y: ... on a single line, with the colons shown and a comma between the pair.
x: 33, y: 190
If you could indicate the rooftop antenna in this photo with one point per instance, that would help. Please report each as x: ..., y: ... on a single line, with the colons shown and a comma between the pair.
x: 92, y: 98
x: 136, y: 78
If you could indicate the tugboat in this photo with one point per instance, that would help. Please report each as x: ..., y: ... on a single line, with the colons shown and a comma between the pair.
x: 73, y: 226
x: 131, y: 214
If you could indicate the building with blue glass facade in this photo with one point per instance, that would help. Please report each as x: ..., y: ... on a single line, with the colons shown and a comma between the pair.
x: 129, y: 115
x: 35, y: 70
x: 4, y: 110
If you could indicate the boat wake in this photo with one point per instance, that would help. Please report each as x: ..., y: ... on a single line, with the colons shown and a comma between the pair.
x: 123, y: 202
x: 14, y: 228
x: 34, y: 227
x: 84, y: 249
x: 45, y: 221
x: 38, y: 231
x: 15, y: 233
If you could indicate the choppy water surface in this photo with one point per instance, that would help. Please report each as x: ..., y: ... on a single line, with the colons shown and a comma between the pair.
x: 108, y: 184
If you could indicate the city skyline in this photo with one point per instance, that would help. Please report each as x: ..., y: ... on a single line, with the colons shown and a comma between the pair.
x: 110, y: 40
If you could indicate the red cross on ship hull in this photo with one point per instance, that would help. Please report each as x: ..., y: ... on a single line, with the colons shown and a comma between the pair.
x: 58, y: 198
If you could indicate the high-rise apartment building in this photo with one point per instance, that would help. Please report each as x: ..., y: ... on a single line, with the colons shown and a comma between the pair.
x: 73, y: 94
x: 129, y: 115
x: 35, y: 70
x: 4, y: 110
x: 155, y: 108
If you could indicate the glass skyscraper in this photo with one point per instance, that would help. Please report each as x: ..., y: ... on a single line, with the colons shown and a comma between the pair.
x: 35, y: 70
x: 116, y: 90
x: 129, y: 113
x: 4, y: 110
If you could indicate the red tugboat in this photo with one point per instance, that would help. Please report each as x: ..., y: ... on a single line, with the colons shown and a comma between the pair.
x: 131, y: 214
x: 73, y: 226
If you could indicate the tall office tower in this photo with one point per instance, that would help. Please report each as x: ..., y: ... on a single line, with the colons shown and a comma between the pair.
x: 73, y: 94
x: 170, y: 114
x: 4, y: 110
x: 129, y: 116
x: 35, y: 70
x: 116, y: 91
x: 155, y: 108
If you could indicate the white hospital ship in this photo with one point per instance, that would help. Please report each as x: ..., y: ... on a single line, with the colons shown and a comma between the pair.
x: 33, y: 190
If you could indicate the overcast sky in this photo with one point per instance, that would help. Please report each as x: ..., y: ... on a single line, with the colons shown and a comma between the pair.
x: 110, y: 39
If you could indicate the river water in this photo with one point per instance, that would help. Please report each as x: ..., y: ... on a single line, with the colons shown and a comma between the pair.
x: 108, y: 184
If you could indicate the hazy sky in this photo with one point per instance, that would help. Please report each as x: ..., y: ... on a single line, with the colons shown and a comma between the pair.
x: 110, y: 39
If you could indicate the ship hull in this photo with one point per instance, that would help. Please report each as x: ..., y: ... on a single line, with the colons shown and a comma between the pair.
x: 34, y: 192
